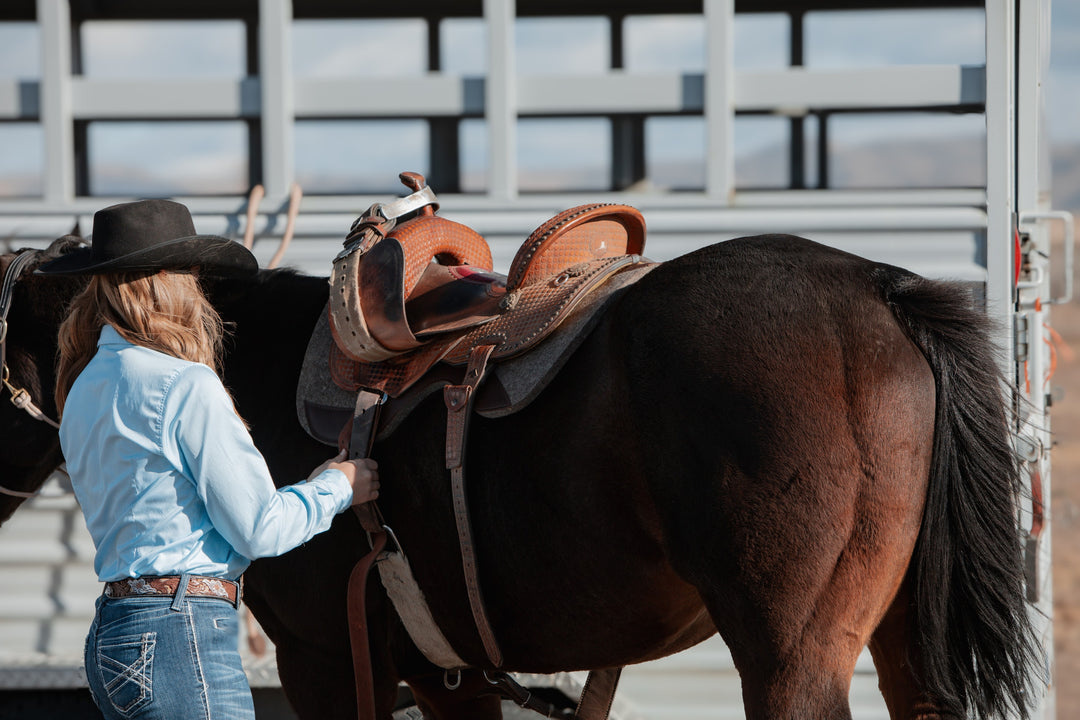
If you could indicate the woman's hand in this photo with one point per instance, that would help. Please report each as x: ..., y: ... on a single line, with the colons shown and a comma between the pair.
x: 362, y: 474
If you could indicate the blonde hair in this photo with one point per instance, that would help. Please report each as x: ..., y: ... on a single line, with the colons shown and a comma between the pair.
x: 163, y: 311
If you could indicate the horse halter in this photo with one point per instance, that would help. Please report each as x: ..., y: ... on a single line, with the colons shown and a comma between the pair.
x: 20, y: 398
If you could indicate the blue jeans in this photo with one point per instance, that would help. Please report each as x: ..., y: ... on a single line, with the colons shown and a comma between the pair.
x: 159, y: 657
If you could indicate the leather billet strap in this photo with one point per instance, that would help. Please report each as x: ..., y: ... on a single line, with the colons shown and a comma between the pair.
x: 358, y: 629
x: 599, y: 691
x: 365, y: 421
x: 459, y: 402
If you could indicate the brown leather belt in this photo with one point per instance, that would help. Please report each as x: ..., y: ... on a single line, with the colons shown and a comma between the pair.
x: 198, y: 586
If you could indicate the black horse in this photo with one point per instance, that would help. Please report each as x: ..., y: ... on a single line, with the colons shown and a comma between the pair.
x: 801, y: 449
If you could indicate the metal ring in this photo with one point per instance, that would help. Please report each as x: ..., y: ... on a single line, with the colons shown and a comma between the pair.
x: 451, y: 685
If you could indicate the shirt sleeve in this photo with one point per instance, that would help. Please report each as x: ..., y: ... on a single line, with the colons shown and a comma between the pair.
x: 201, y: 428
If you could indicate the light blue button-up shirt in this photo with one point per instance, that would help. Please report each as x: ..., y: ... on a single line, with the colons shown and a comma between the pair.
x: 167, y: 475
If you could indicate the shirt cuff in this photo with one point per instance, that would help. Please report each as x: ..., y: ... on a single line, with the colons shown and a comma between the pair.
x: 335, y: 481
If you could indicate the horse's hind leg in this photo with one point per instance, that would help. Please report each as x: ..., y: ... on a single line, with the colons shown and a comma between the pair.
x: 897, y: 661
x: 802, y: 565
x: 792, y: 667
x: 798, y: 562
x: 796, y: 644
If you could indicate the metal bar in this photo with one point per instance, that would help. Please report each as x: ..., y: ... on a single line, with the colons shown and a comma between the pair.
x: 251, y: 46
x: 276, y: 97
x: 54, y: 18
x: 434, y: 44
x: 720, y: 100
x: 500, y: 99
x: 627, y: 131
x: 82, y: 157
x: 617, y: 49
x: 1032, y: 177
x: 793, y: 91
x: 823, y: 151
x: 628, y: 150
x: 917, y: 86
x: 445, y: 154
x: 165, y: 98
x: 797, y: 126
x: 423, y: 96
x: 1000, y: 159
x: 255, y: 158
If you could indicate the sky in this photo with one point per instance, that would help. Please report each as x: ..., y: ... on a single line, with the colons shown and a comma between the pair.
x: 129, y: 157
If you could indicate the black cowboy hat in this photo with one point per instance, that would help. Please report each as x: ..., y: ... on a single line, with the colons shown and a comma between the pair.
x: 152, y: 235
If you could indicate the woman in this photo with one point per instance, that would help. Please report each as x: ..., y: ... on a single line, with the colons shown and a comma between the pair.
x: 176, y: 497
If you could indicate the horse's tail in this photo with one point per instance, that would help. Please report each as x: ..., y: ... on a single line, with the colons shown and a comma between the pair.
x: 978, y: 646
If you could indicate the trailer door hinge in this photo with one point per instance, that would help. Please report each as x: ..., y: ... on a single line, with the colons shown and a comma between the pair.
x: 1021, y: 337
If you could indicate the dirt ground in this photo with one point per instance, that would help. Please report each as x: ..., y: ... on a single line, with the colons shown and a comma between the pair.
x: 1065, y: 514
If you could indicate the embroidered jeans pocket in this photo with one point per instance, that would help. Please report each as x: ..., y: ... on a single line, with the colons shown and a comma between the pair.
x: 126, y: 665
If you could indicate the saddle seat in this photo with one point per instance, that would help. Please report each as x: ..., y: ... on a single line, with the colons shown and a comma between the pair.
x: 426, y: 292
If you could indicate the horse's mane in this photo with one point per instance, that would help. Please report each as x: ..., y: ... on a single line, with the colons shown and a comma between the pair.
x: 62, y: 246
x: 50, y: 296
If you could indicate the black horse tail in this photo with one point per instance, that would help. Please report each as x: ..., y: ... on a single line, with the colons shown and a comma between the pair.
x: 978, y: 645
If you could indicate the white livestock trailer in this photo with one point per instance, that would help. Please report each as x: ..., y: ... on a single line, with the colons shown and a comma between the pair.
x: 471, y: 129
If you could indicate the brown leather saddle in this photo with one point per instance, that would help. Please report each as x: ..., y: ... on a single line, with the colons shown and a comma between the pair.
x: 411, y: 291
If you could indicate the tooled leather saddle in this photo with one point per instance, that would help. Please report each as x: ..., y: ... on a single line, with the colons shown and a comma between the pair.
x: 415, y: 306
x: 418, y: 289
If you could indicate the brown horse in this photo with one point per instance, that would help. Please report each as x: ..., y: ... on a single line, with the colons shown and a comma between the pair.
x: 803, y: 450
